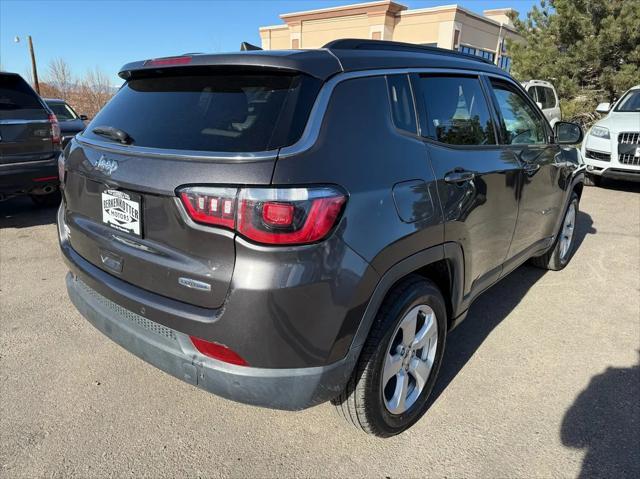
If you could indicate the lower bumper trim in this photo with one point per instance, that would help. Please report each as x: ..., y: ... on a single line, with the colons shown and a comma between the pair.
x: 172, y: 352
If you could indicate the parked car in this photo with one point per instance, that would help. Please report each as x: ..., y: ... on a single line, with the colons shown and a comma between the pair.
x: 545, y: 96
x: 316, y: 222
x: 611, y: 148
x: 70, y: 122
x: 29, y: 143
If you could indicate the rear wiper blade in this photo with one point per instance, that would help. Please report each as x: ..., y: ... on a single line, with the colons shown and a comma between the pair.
x: 114, y: 134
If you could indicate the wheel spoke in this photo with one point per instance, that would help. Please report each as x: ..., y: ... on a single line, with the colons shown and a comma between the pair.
x: 425, y: 333
x: 420, y: 370
x: 408, y: 327
x: 392, y: 365
x: 397, y: 401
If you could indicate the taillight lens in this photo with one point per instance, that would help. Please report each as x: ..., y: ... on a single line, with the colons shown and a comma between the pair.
x: 278, y: 216
x: 55, y: 129
x: 212, y: 206
x: 217, y: 351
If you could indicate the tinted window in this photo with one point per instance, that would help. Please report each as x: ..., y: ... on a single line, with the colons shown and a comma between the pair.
x: 15, y: 94
x: 630, y: 102
x: 521, y: 124
x: 211, y: 112
x: 544, y: 96
x: 401, y: 99
x: 457, y: 111
x: 550, y: 98
x: 62, y: 111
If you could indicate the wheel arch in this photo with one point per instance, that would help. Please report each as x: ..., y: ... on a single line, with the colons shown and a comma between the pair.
x: 442, y: 264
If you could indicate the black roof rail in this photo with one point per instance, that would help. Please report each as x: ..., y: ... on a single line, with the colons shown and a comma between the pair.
x: 363, y: 44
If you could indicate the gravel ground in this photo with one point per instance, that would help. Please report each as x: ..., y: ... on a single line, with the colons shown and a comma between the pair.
x: 542, y: 379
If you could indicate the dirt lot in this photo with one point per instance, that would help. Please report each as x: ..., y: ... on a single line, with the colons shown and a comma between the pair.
x: 542, y: 379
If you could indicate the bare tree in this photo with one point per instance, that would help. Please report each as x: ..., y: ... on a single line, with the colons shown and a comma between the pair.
x: 61, y: 78
x: 95, y: 90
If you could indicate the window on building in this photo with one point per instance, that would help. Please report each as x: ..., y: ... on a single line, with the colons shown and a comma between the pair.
x: 401, y: 99
x: 456, y: 110
x: 505, y: 63
x: 477, y: 52
x: 521, y: 124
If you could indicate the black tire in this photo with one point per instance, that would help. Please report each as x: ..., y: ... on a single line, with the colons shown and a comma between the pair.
x: 553, y: 259
x: 362, y: 403
x: 592, y: 180
x: 47, y: 201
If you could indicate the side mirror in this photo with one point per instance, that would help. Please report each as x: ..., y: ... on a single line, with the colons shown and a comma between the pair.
x: 539, y: 105
x: 603, y: 107
x: 84, y: 117
x: 567, y: 133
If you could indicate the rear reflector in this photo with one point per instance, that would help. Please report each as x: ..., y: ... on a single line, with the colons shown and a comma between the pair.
x: 217, y: 351
x: 164, y: 62
x: 46, y: 178
x: 276, y: 216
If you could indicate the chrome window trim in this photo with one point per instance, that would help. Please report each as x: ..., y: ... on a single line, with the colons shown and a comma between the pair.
x: 311, y: 131
x: 316, y: 117
x: 22, y: 122
x: 231, y: 157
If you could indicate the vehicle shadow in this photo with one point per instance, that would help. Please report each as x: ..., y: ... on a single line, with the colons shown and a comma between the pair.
x: 22, y: 213
x: 490, y: 309
x: 618, y: 185
x: 605, y: 421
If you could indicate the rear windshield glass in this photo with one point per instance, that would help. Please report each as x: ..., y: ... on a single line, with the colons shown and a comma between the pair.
x: 62, y: 111
x: 15, y: 94
x: 205, y: 112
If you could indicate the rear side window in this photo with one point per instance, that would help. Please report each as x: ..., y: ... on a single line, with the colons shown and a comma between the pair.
x: 207, y: 112
x: 401, y: 99
x: 15, y: 94
x: 544, y: 96
x: 456, y: 110
x: 550, y: 98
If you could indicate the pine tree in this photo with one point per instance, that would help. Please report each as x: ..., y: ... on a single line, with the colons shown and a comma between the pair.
x: 589, y: 49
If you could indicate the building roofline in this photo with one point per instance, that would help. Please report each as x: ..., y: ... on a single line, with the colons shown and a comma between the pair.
x: 274, y: 27
x: 342, y: 7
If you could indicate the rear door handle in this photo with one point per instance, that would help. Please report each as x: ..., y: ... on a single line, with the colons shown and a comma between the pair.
x: 459, y: 176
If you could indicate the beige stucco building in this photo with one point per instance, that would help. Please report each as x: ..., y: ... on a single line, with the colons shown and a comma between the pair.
x: 449, y: 26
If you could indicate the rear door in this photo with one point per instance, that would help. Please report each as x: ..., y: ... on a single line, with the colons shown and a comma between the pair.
x: 476, y: 177
x: 528, y: 138
x: 25, y: 131
x: 185, y: 129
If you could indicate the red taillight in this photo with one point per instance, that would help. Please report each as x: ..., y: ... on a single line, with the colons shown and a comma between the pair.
x: 278, y: 216
x: 164, y: 62
x: 218, y: 351
x: 213, y: 206
x: 55, y: 129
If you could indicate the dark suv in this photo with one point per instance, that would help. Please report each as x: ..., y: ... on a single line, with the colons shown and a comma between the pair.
x: 29, y: 143
x: 285, y: 228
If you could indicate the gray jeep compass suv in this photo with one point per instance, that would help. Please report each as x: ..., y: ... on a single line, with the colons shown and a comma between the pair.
x: 284, y: 228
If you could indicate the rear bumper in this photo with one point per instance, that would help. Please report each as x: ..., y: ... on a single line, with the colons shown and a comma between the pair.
x: 23, y: 178
x: 172, y: 351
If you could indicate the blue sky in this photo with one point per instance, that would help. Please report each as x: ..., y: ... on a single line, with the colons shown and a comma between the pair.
x: 109, y: 34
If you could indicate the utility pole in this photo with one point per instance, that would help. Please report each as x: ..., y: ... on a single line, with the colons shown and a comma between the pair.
x: 33, y: 65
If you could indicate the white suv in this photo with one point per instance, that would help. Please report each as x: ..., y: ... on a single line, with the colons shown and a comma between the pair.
x: 545, y: 96
x: 611, y: 148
